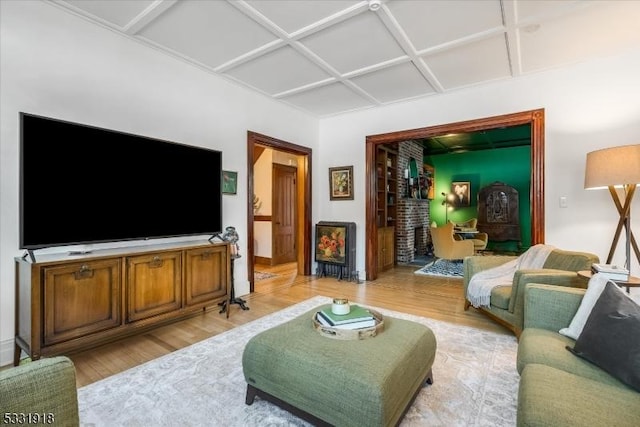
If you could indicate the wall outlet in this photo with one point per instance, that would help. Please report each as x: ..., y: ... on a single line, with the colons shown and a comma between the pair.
x: 563, y: 202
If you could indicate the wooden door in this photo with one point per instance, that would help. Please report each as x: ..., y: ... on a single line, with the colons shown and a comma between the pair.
x: 284, y: 214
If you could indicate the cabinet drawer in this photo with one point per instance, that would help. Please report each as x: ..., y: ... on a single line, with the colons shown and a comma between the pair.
x: 154, y: 285
x: 81, y: 299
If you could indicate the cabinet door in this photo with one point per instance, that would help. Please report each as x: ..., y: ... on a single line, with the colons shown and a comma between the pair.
x: 154, y: 285
x: 389, y: 247
x: 205, y: 274
x: 386, y: 248
x: 381, y: 249
x: 81, y: 299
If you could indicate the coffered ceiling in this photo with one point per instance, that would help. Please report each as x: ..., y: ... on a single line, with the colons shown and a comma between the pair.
x: 501, y: 137
x: 332, y: 56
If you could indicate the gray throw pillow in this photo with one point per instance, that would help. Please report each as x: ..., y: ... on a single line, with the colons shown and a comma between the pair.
x: 611, y: 337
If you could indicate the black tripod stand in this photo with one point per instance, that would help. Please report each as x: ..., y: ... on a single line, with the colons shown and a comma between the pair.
x: 232, y: 297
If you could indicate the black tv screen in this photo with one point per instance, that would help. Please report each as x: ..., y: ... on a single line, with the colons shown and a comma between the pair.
x: 81, y: 184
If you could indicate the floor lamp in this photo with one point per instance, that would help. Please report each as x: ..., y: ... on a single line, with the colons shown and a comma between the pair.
x: 617, y: 167
x: 446, y: 203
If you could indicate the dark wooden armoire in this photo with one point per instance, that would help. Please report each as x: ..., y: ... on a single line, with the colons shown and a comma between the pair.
x: 498, y: 212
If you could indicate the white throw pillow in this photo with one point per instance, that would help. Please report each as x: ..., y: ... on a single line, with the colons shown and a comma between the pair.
x: 594, y: 289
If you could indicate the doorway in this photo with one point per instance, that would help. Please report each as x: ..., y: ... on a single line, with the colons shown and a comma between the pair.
x: 536, y: 192
x: 301, y: 221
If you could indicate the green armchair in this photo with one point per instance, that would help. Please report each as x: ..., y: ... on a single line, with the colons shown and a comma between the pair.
x: 507, y: 302
x: 45, y: 388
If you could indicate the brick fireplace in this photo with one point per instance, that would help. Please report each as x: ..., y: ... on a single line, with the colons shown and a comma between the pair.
x: 412, y: 225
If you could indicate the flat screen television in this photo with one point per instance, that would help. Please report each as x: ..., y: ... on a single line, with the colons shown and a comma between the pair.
x: 82, y: 184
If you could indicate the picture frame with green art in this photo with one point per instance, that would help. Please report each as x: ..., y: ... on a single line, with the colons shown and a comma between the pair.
x: 229, y: 182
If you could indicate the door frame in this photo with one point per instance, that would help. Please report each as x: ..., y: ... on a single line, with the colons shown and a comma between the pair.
x: 536, y: 191
x: 303, y: 226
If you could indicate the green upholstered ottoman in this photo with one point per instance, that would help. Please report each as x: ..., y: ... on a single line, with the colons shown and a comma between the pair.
x: 369, y: 382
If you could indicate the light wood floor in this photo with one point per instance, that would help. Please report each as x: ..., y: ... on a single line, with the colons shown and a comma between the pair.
x: 397, y: 289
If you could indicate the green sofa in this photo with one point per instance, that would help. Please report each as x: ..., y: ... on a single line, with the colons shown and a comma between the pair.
x: 507, y: 302
x: 42, y: 392
x: 558, y: 388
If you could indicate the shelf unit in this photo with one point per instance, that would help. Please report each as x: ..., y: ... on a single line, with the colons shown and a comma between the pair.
x: 387, y: 202
x: 387, y: 186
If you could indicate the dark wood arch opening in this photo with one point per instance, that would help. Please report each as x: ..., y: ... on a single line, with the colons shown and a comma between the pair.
x: 536, y: 192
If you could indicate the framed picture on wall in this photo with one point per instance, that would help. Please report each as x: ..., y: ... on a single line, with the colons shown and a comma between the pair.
x: 229, y: 182
x: 461, y: 191
x: 341, y: 183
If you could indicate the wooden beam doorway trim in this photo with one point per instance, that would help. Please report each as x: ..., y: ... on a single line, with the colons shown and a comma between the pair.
x: 303, y: 244
x: 536, y: 191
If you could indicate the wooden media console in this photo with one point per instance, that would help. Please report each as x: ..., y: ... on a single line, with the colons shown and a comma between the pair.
x: 67, y: 302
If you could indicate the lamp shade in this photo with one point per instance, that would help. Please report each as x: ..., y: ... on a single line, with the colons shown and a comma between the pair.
x: 614, y: 166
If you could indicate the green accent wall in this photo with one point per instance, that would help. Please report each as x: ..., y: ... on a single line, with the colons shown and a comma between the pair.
x: 509, y: 165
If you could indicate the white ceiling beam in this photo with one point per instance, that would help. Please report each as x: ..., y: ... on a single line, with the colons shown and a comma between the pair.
x: 396, y: 31
x: 512, y: 36
x: 151, y: 12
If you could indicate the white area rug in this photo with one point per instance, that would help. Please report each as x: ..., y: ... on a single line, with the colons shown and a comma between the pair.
x: 262, y: 275
x: 442, y: 268
x: 475, y: 382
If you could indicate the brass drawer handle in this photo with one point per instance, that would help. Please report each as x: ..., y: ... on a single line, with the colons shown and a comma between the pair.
x: 85, y: 272
x: 156, y: 262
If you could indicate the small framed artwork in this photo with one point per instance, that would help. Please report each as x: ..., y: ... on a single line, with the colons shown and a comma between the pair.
x: 229, y: 182
x: 341, y: 183
x: 461, y: 191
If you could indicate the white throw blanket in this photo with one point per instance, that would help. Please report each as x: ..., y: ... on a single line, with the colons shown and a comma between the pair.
x: 482, y: 283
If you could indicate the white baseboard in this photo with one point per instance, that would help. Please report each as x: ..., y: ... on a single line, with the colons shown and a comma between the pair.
x: 6, y: 352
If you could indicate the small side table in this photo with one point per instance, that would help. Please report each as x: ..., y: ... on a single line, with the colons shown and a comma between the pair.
x: 631, y: 282
x: 232, y: 298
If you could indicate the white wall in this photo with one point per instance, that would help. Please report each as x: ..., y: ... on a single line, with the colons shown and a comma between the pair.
x: 587, y: 106
x: 59, y: 65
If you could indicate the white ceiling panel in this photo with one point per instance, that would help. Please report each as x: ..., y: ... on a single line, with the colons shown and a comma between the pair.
x: 292, y: 16
x: 563, y: 40
x: 394, y: 83
x: 278, y: 71
x: 431, y: 23
x: 360, y: 42
x: 116, y: 12
x: 324, y: 100
x: 532, y: 9
x: 331, y: 56
x: 480, y: 61
x: 211, y: 32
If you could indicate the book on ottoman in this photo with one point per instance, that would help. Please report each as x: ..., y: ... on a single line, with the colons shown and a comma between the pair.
x: 351, y: 325
x: 357, y: 317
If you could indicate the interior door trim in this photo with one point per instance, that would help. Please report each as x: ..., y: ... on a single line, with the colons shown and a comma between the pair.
x: 536, y: 192
x: 303, y: 244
